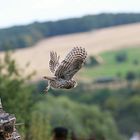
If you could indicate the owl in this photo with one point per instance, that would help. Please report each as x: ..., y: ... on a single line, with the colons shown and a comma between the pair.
x: 63, y: 72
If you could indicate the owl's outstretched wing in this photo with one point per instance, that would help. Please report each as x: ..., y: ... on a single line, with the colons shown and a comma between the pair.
x: 71, y: 64
x: 54, y: 61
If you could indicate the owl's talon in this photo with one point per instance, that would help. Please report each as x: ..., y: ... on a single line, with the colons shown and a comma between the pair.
x: 46, y: 91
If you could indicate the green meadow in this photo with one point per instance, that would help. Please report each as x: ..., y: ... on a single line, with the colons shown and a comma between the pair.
x: 111, y: 67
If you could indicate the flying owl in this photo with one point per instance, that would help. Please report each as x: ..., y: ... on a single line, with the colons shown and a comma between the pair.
x: 64, y: 71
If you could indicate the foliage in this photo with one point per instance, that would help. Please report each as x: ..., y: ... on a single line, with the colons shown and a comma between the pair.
x: 130, y: 76
x: 123, y: 103
x: 82, y: 119
x: 83, y: 109
x: 121, y: 57
x: 15, y: 93
x: 24, y: 36
x: 91, y: 61
x: 111, y: 68
x: 40, y: 127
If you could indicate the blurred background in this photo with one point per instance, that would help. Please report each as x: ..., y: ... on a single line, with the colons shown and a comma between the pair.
x: 105, y: 104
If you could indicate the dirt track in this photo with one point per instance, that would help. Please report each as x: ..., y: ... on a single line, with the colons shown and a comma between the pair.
x: 95, y: 42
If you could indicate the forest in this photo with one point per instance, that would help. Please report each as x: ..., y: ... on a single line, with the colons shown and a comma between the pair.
x: 28, y: 35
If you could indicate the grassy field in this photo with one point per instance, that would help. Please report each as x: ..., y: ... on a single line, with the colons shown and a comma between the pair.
x: 113, y: 68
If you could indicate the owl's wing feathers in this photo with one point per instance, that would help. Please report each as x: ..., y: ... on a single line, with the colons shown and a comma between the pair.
x: 71, y: 64
x: 54, y: 61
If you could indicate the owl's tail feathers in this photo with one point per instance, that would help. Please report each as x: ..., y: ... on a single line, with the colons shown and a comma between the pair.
x: 49, y: 78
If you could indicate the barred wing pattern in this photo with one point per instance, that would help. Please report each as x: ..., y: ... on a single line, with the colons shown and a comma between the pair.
x: 54, y: 61
x: 72, y: 63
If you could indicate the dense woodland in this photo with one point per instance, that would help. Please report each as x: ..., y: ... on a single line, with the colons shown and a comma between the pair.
x: 25, y: 36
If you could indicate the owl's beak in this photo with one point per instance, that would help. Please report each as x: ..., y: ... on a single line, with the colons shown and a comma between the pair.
x: 48, y: 78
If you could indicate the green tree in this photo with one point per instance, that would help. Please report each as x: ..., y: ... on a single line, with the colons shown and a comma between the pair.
x: 16, y: 95
x: 83, y: 119
x: 40, y: 128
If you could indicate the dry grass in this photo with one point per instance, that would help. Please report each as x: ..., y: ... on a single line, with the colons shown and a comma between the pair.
x: 95, y: 42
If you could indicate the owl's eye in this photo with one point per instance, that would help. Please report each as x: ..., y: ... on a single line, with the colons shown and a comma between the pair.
x: 62, y: 77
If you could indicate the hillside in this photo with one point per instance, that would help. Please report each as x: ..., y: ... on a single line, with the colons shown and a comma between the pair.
x: 114, y: 66
x: 95, y: 42
x: 28, y: 35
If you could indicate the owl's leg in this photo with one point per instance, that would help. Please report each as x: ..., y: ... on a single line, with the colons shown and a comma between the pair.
x: 47, y: 88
